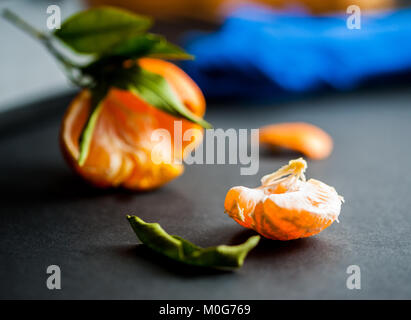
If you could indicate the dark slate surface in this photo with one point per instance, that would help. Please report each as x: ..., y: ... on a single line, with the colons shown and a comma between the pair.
x: 48, y: 216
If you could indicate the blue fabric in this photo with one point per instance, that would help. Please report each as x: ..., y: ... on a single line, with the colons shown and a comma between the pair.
x: 259, y: 52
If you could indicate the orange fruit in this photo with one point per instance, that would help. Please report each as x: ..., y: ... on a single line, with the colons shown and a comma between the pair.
x: 120, y: 152
x: 285, y: 206
x: 306, y: 138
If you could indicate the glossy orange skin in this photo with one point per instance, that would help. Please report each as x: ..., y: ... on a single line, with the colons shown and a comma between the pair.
x: 121, y: 146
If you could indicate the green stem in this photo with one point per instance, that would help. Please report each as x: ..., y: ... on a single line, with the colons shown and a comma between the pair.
x: 45, y: 39
x: 23, y: 25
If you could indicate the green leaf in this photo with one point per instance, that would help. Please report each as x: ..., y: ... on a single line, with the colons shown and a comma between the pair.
x: 156, y: 91
x: 97, y: 30
x: 219, y: 257
x: 149, y: 45
x: 167, y: 50
x: 97, y: 98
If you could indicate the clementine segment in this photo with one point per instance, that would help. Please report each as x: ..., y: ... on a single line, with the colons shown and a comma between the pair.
x: 285, y: 206
x: 121, y: 146
x: 306, y: 138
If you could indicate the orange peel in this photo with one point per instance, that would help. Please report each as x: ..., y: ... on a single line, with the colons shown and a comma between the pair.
x: 303, y: 137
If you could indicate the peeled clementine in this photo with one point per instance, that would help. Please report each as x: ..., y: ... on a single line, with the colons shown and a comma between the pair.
x: 285, y: 206
x: 121, y: 145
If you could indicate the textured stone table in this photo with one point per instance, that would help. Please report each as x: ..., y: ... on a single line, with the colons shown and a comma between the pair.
x: 49, y: 216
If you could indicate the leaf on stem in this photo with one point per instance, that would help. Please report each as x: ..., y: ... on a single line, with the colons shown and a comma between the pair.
x: 97, y: 98
x: 155, y: 90
x: 149, y: 45
x: 97, y: 30
x: 220, y: 257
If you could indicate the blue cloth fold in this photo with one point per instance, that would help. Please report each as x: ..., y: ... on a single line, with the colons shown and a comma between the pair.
x: 260, y: 52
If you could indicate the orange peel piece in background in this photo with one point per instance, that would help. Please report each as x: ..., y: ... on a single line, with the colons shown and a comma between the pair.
x: 121, y: 147
x: 285, y: 206
x: 306, y: 138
